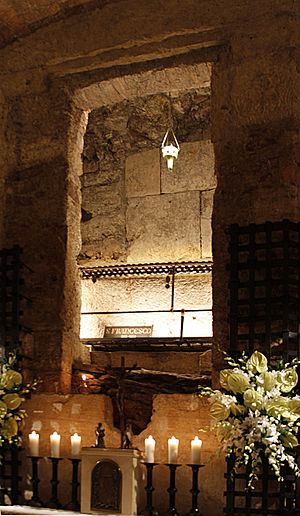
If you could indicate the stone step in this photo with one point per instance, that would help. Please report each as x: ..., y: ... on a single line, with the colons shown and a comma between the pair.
x: 24, y: 510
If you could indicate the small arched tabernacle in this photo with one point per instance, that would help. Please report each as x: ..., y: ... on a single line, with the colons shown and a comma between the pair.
x: 106, y: 486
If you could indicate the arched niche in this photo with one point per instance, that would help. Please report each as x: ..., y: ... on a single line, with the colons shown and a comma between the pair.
x: 106, y: 488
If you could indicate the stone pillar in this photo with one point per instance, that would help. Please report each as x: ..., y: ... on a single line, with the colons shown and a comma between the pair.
x: 6, y: 157
x: 255, y: 118
x: 42, y: 215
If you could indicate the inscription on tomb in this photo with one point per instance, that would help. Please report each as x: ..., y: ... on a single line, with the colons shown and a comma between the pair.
x: 117, y: 332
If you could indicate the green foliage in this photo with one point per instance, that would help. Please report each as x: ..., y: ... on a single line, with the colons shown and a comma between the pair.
x: 12, y: 395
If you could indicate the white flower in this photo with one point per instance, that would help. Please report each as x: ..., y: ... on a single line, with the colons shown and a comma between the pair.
x: 257, y: 362
x: 238, y: 381
x: 259, y: 416
x: 268, y: 380
x: 287, y: 379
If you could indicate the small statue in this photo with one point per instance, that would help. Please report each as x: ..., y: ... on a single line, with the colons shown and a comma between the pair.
x: 100, y: 433
x: 127, y: 437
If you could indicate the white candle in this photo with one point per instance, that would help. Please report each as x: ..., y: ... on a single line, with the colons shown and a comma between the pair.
x: 149, y: 449
x: 54, y: 444
x: 173, y: 445
x: 195, y: 450
x: 34, y: 444
x: 75, y: 444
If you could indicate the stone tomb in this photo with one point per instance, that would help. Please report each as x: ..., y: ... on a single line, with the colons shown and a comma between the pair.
x: 110, y: 481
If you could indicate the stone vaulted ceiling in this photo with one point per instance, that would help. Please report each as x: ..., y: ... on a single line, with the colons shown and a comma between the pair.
x: 21, y: 17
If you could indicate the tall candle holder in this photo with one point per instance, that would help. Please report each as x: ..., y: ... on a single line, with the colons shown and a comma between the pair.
x: 35, y: 499
x: 74, y: 504
x: 195, y: 489
x: 2, y: 486
x: 172, y: 489
x: 149, y: 509
x: 54, y: 502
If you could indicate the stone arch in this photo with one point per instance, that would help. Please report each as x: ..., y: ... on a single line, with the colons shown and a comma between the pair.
x: 48, y: 150
x: 112, y: 86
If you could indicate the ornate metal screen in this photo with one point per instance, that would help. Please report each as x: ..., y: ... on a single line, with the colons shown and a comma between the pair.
x: 265, y: 288
x: 264, y: 315
x: 11, y: 298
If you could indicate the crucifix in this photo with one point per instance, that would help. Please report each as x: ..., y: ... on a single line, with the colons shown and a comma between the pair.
x: 125, y: 426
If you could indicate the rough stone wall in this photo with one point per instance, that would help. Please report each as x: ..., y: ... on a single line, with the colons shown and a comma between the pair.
x: 179, y: 415
x: 193, y: 363
x: 42, y: 215
x: 85, y: 56
x: 85, y: 43
x: 148, y: 293
x: 255, y: 130
x: 4, y: 160
x: 134, y: 210
x: 255, y: 94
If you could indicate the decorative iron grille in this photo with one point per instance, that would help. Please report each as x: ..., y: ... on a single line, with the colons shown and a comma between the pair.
x: 264, y: 290
x: 269, y: 497
x: 145, y: 269
x: 10, y: 476
x: 11, y: 297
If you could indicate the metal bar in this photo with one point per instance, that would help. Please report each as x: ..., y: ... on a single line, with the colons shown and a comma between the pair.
x: 260, y: 228
x: 147, y: 311
x: 251, y: 290
x: 147, y: 346
x: 95, y: 273
x: 181, y: 324
x: 151, y: 339
x: 269, y: 308
x: 230, y: 487
x: 196, y: 348
x: 173, y: 290
x: 286, y: 291
x: 298, y: 346
x: 297, y: 485
x: 15, y: 463
x: 233, y: 288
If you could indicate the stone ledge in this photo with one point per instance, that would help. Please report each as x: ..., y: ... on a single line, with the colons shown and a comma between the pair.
x: 25, y: 510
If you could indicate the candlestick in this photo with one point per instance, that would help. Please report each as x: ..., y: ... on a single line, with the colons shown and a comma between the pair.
x: 75, y: 444
x: 74, y: 504
x: 54, y: 502
x: 195, y: 511
x: 149, y: 449
x: 195, y: 450
x: 173, y: 445
x: 35, y: 499
x: 34, y: 444
x: 149, y: 489
x: 172, y: 490
x: 54, y: 444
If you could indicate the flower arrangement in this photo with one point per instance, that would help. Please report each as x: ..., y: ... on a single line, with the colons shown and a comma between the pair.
x: 12, y: 392
x: 256, y: 414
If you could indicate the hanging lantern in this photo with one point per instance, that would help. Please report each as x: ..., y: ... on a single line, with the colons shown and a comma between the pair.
x: 170, y: 148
